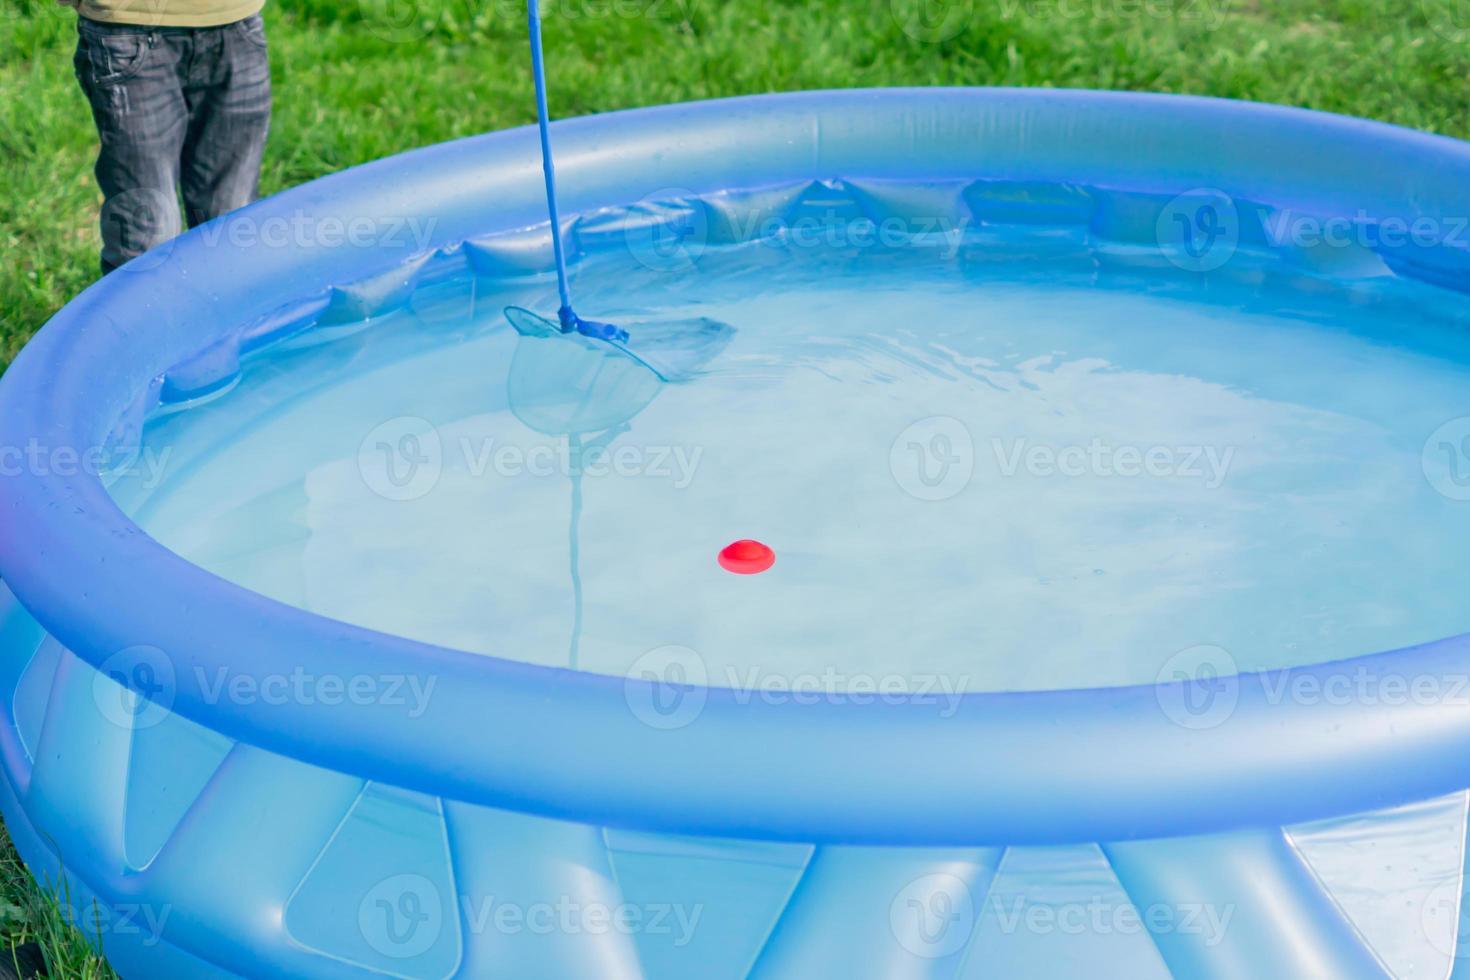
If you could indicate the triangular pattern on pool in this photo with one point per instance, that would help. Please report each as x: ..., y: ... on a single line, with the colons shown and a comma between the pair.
x: 1397, y: 875
x: 169, y: 764
x: 390, y: 858
x: 718, y: 900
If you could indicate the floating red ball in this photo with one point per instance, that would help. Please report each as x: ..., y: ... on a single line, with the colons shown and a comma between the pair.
x: 746, y: 557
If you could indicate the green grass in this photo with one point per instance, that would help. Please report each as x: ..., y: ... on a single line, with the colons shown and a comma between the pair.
x: 360, y: 79
x: 31, y: 916
x: 356, y: 79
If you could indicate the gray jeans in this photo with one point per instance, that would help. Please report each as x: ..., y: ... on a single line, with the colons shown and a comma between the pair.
x: 177, y: 109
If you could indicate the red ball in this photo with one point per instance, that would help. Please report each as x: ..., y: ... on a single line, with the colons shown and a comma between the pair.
x: 746, y: 557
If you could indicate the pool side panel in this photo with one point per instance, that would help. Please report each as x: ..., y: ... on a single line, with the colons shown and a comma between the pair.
x: 1241, y: 906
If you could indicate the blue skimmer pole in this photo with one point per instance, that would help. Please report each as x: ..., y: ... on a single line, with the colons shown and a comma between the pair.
x: 569, y: 320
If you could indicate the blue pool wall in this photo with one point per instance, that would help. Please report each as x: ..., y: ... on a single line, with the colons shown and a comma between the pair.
x: 560, y: 752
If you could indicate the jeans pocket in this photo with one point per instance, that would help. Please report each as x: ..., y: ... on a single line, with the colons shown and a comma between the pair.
x: 253, y: 30
x: 111, y: 57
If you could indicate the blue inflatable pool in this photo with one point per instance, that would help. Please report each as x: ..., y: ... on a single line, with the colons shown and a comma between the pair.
x: 1103, y: 443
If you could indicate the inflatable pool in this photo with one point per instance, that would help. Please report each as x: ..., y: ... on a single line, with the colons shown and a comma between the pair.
x: 997, y: 584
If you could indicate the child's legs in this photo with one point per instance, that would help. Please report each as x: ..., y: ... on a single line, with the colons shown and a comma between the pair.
x: 228, y: 91
x: 129, y: 76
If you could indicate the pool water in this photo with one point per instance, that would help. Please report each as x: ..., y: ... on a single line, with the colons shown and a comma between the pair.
x: 992, y: 466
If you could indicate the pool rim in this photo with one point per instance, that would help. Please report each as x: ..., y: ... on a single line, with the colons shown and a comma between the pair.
x: 1022, y: 767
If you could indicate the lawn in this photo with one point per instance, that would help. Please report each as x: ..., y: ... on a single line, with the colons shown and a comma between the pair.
x: 360, y: 79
